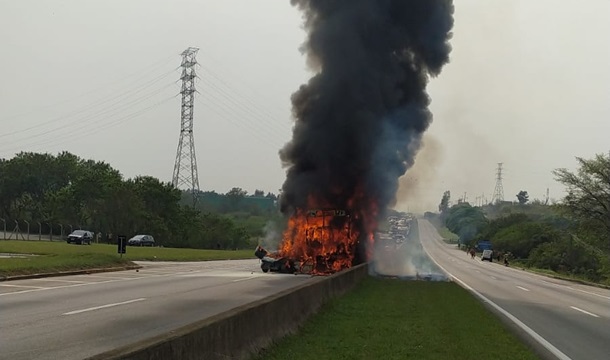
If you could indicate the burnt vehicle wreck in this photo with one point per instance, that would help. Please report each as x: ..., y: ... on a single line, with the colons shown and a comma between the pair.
x: 319, y: 242
x: 274, y: 262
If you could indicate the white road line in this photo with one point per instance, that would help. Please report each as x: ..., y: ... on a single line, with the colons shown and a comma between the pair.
x: 522, y: 288
x: 65, y: 281
x: 105, y: 277
x: 589, y: 292
x: 542, y: 341
x: 103, y: 306
x: 248, y: 278
x: 25, y: 286
x: 91, y: 283
x: 493, y: 277
x: 584, y: 311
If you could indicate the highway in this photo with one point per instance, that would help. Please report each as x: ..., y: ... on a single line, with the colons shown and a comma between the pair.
x: 73, y: 317
x: 572, y: 319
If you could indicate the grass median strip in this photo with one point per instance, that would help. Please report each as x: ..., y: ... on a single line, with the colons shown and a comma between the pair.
x: 46, y: 256
x: 392, y: 319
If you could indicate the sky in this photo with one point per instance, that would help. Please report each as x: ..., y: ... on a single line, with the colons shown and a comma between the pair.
x: 528, y: 86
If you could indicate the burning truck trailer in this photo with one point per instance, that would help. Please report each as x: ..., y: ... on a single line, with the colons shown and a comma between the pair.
x: 317, y: 242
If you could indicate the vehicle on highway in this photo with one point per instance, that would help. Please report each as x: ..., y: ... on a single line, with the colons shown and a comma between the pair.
x: 487, y: 255
x: 80, y: 237
x: 141, y: 240
x: 274, y: 264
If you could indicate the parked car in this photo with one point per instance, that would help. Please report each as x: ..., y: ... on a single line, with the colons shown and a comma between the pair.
x: 487, y: 255
x: 141, y: 240
x: 80, y: 237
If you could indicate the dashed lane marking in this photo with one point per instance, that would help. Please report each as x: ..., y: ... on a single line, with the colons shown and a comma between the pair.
x: 522, y: 288
x: 103, y: 306
x: 584, y: 311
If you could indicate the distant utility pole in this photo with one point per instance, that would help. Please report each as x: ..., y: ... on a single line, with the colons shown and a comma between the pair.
x: 185, y: 167
x: 499, y: 190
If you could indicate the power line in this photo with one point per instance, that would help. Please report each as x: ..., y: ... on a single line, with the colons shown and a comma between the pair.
x: 254, y: 105
x: 248, y: 111
x: 76, y: 135
x: 153, y: 67
x: 91, y: 119
x: 121, y: 96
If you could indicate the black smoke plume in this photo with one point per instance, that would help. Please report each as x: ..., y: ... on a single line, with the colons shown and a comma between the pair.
x: 360, y: 118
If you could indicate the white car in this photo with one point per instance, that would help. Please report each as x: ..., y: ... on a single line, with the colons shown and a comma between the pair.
x: 487, y: 255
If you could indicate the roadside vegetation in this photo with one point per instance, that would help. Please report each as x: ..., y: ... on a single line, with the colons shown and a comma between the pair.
x: 569, y: 238
x: 52, y: 194
x: 46, y: 256
x: 448, y: 236
x: 392, y: 319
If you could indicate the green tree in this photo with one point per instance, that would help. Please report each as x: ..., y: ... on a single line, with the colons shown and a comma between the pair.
x: 588, y: 198
x: 444, y: 205
x: 465, y: 221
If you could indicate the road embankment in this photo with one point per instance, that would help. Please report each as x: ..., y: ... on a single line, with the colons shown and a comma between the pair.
x: 238, y: 333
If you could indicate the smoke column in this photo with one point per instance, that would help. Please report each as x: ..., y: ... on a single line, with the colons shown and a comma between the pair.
x: 359, y: 120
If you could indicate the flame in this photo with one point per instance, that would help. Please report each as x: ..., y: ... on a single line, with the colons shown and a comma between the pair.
x: 325, y: 240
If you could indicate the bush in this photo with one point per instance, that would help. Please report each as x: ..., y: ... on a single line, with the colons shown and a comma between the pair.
x: 569, y: 257
x: 521, y: 238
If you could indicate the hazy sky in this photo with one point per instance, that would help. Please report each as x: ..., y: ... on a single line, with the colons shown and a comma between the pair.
x: 528, y: 85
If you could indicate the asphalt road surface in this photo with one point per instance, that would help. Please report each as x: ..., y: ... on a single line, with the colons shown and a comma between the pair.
x: 572, y: 320
x: 73, y: 317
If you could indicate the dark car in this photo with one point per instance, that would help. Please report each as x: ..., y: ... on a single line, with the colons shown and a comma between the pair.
x: 80, y: 237
x: 141, y: 240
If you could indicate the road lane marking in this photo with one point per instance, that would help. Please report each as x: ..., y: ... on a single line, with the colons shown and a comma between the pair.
x: 493, y: 277
x: 584, y: 311
x: 103, y: 306
x: 106, y: 277
x: 13, y: 293
x: 25, y: 286
x: 537, y: 337
x: 248, y: 278
x: 522, y: 288
x: 590, y: 293
x: 65, y: 281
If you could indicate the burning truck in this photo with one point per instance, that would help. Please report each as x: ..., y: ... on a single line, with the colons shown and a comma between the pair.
x: 319, y: 241
x: 358, y: 125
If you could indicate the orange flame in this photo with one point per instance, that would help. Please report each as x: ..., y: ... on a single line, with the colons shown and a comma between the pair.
x: 325, y: 240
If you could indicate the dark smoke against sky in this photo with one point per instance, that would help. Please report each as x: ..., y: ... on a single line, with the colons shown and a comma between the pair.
x: 360, y: 118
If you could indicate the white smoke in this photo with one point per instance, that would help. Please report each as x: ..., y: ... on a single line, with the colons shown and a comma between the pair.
x: 272, y: 236
x: 400, y: 254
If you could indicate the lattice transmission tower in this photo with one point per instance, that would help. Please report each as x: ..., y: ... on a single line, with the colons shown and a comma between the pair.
x: 185, y: 167
x: 499, y: 190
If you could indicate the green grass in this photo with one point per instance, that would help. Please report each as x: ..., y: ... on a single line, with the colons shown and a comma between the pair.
x: 56, y: 262
x: 60, y: 256
x: 564, y: 276
x: 392, y: 319
x: 448, y: 236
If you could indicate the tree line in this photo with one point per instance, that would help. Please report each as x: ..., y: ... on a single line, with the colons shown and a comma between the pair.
x: 571, y: 236
x: 64, y: 190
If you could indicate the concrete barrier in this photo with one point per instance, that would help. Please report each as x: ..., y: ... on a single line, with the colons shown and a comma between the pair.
x: 241, y: 332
